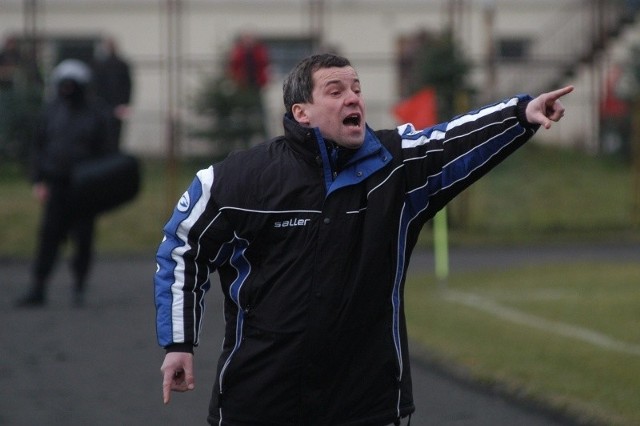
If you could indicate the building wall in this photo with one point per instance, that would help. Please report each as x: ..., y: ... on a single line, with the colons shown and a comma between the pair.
x: 366, y: 31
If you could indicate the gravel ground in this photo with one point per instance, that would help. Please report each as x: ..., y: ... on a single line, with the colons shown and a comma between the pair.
x: 99, y: 364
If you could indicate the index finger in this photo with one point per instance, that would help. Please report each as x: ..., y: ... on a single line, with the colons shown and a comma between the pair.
x: 166, y: 388
x: 166, y: 393
x: 557, y: 94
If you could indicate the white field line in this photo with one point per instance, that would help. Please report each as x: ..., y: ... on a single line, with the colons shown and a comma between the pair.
x: 519, y: 317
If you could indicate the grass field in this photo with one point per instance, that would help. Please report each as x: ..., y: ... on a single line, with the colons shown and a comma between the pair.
x: 566, y: 336
x: 543, y: 194
x: 538, y: 195
x: 534, y: 332
x: 133, y: 229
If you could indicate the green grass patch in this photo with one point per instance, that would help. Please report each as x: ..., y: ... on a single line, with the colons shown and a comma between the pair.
x: 540, y: 194
x: 535, y: 357
x: 135, y: 228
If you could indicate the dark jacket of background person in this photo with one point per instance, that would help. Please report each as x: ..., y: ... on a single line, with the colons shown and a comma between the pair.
x: 113, y: 84
x: 73, y: 128
x: 312, y: 244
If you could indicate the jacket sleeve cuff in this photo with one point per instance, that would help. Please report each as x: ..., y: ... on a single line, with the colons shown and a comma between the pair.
x: 180, y: 347
x: 521, y: 114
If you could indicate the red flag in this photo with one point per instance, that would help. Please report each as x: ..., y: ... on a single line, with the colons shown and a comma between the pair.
x: 420, y: 109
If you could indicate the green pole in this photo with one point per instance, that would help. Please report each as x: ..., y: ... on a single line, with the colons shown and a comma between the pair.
x: 441, y: 245
x: 635, y: 153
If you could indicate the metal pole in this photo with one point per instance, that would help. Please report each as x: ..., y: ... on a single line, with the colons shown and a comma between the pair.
x: 597, y: 22
x: 30, y: 12
x: 173, y: 51
x: 316, y: 23
x: 490, y: 52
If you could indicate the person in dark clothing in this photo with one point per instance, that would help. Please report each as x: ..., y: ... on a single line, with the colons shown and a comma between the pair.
x: 10, y: 61
x: 311, y: 234
x: 73, y: 128
x: 113, y: 84
x: 248, y: 69
x: 20, y: 99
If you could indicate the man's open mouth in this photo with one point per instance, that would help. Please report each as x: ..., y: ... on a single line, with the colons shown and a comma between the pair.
x: 352, y: 120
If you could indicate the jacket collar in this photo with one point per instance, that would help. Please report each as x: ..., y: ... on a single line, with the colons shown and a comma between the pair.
x: 308, y: 142
x: 301, y: 139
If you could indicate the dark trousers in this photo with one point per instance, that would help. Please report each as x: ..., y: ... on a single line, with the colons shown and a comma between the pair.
x: 60, y: 221
x: 115, y: 132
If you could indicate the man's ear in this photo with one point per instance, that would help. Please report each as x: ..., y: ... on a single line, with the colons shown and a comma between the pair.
x: 299, y: 113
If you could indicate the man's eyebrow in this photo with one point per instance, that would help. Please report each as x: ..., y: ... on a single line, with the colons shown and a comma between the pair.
x: 339, y: 81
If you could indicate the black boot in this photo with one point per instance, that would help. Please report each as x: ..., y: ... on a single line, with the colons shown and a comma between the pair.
x: 77, y: 299
x: 34, y: 299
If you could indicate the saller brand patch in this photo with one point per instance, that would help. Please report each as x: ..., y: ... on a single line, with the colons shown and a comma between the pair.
x: 291, y: 222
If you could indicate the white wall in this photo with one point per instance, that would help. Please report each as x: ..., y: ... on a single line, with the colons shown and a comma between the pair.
x: 364, y: 30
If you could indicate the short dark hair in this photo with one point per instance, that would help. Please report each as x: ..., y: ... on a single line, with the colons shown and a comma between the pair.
x: 298, y: 85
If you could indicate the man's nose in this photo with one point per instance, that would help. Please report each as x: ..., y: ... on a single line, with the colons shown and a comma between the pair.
x: 352, y: 97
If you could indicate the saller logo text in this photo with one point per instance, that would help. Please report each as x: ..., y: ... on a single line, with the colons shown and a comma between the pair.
x: 291, y: 222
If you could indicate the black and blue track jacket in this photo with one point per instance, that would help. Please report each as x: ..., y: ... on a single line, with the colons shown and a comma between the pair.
x: 312, y: 260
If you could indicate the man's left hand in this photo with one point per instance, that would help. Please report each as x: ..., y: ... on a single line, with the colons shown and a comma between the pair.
x: 547, y: 107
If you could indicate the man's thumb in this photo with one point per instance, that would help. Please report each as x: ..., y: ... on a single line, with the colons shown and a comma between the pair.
x: 189, y: 378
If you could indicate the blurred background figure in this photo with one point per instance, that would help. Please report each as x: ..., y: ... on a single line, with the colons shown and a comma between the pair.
x: 73, y: 128
x: 20, y: 99
x: 231, y: 102
x: 249, y: 70
x: 9, y: 63
x: 113, y: 84
x: 248, y: 62
x: 9, y: 67
x: 615, y: 105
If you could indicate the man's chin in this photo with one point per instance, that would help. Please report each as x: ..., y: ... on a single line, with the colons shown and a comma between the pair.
x: 353, y: 141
